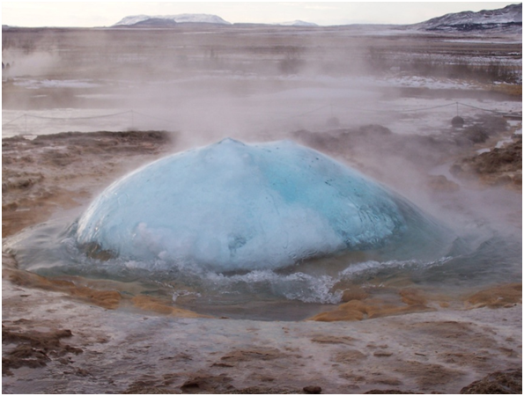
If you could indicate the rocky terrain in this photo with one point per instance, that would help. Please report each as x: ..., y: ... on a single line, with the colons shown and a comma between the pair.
x: 65, y: 335
x: 498, y: 166
x: 378, y: 99
x: 50, y: 172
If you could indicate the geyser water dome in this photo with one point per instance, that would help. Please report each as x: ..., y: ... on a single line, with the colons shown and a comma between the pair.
x: 232, y: 206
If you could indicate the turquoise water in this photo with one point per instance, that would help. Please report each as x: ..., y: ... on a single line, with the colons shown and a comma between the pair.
x: 263, y: 231
x: 232, y: 206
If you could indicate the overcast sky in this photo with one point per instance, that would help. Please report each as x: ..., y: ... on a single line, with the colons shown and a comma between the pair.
x: 106, y: 13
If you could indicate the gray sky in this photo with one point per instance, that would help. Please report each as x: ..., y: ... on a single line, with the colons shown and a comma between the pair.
x: 106, y: 13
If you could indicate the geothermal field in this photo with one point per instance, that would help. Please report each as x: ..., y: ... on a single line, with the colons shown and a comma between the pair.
x: 207, y: 208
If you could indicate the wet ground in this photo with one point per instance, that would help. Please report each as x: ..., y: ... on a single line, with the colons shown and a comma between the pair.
x: 76, y: 334
x: 53, y: 344
x: 79, y: 335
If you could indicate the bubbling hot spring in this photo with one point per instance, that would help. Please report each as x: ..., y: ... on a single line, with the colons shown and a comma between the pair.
x: 235, y: 224
x: 235, y: 207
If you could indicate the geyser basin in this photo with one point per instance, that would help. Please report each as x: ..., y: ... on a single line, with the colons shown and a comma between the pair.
x: 238, y: 207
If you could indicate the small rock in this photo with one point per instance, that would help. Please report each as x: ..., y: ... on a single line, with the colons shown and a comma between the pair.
x: 312, y: 389
x: 382, y: 354
x: 509, y: 381
x: 457, y: 121
x: 387, y: 391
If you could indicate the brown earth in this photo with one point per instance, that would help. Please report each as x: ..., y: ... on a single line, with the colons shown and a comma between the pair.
x: 509, y: 381
x: 143, y: 351
x: 500, y: 166
x: 423, y: 352
x: 161, y: 307
x: 361, y: 307
x: 108, y: 299
x: 50, y: 172
x: 373, y: 148
x: 33, y: 348
x: 497, y: 297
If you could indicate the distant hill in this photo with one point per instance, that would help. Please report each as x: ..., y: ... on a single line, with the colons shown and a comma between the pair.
x: 507, y: 18
x: 166, y: 21
x: 151, y: 23
x: 169, y: 20
x: 298, y: 23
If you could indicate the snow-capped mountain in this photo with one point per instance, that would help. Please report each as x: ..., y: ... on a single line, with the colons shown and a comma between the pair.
x: 509, y: 17
x: 138, y: 20
x: 297, y: 23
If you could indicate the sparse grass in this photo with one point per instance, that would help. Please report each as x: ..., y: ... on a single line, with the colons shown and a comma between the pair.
x: 92, y: 53
x: 510, y: 89
x: 290, y: 65
x: 435, y: 66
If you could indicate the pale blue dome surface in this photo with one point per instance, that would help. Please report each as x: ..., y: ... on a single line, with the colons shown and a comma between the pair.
x: 233, y: 206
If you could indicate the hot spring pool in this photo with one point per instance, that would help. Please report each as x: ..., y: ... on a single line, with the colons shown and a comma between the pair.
x: 262, y: 231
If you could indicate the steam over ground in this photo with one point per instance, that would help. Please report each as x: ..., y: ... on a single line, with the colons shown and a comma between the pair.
x: 378, y: 100
x: 250, y: 83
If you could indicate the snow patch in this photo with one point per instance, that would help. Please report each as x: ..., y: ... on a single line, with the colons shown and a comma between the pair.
x: 507, y: 17
x: 36, y: 84
x: 503, y: 142
x: 181, y: 18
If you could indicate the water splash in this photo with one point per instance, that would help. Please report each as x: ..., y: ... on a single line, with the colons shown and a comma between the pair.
x: 231, y: 206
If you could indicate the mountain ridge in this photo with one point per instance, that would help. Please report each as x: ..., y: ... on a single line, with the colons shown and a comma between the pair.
x: 509, y: 17
x: 134, y: 20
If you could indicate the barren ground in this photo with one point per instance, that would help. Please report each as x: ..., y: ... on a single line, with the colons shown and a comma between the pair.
x: 76, y: 335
